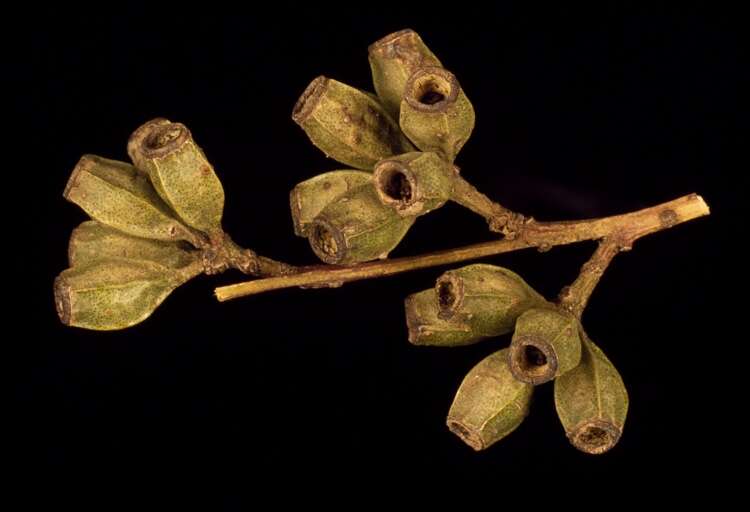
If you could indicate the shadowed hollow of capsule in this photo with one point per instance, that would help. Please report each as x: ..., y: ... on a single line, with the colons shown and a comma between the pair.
x: 395, y: 185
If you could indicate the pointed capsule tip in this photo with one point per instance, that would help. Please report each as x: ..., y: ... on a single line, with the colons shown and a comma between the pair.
x: 309, y: 99
x: 595, y: 436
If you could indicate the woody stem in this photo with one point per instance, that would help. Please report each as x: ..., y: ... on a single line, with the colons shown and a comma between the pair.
x: 627, y: 227
x: 574, y: 298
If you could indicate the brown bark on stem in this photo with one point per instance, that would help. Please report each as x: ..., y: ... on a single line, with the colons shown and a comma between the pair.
x: 626, y: 228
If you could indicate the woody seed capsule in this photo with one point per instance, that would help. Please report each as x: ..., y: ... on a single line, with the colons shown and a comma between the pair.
x: 490, y: 404
x: 347, y: 124
x: 487, y: 298
x: 435, y: 114
x: 115, y: 194
x: 393, y: 59
x: 414, y: 183
x: 180, y: 172
x: 357, y: 227
x: 427, y: 328
x: 545, y: 345
x: 92, y: 241
x: 591, y: 401
x: 308, y: 198
x: 115, y: 293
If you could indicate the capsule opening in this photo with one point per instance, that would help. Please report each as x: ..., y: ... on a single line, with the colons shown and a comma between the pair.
x: 596, y: 436
x: 533, y: 357
x: 163, y: 136
x: 325, y: 241
x: 467, y: 435
x: 446, y: 294
x: 395, y: 184
x: 532, y: 361
x: 432, y: 90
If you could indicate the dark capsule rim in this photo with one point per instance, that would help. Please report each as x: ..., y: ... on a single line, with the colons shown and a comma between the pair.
x: 338, y: 238
x: 578, y: 435
x: 309, y: 99
x: 517, y: 359
x: 150, y: 146
x: 382, y: 173
x: 412, y: 94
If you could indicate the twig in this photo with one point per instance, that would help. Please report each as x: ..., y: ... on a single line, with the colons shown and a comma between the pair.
x: 574, y: 298
x: 627, y: 227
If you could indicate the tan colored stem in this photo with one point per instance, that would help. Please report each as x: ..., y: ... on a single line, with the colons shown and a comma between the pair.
x: 500, y: 219
x: 544, y: 235
x: 574, y: 298
x: 223, y: 253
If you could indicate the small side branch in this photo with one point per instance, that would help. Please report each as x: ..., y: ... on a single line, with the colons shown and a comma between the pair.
x: 574, y: 298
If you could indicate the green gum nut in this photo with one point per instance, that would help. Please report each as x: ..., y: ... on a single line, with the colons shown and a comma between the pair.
x: 180, y: 172
x: 308, y: 198
x: 490, y: 404
x: 116, y: 194
x: 545, y: 345
x: 115, y: 293
x: 357, y: 227
x: 92, y: 241
x: 393, y: 59
x: 347, y: 124
x: 435, y: 113
x: 592, y: 402
x: 414, y: 183
x: 427, y: 328
x: 486, y: 297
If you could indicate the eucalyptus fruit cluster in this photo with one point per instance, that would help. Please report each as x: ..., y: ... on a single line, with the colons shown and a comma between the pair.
x: 399, y: 145
x: 155, y: 224
x: 481, y: 301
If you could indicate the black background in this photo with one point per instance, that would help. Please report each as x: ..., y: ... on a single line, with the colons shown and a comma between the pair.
x: 579, y: 114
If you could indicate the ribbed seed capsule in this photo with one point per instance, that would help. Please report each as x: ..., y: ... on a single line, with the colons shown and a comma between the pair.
x: 591, y: 401
x: 435, y: 113
x: 392, y: 60
x: 487, y: 298
x: 347, y: 124
x: 427, y: 328
x: 92, y: 241
x: 357, y: 227
x: 490, y: 404
x: 414, y: 183
x: 115, y: 293
x: 545, y: 345
x: 308, y: 198
x: 180, y: 173
x: 117, y: 195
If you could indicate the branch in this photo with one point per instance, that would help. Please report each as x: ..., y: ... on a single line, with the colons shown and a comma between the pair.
x: 544, y: 235
x: 574, y: 298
